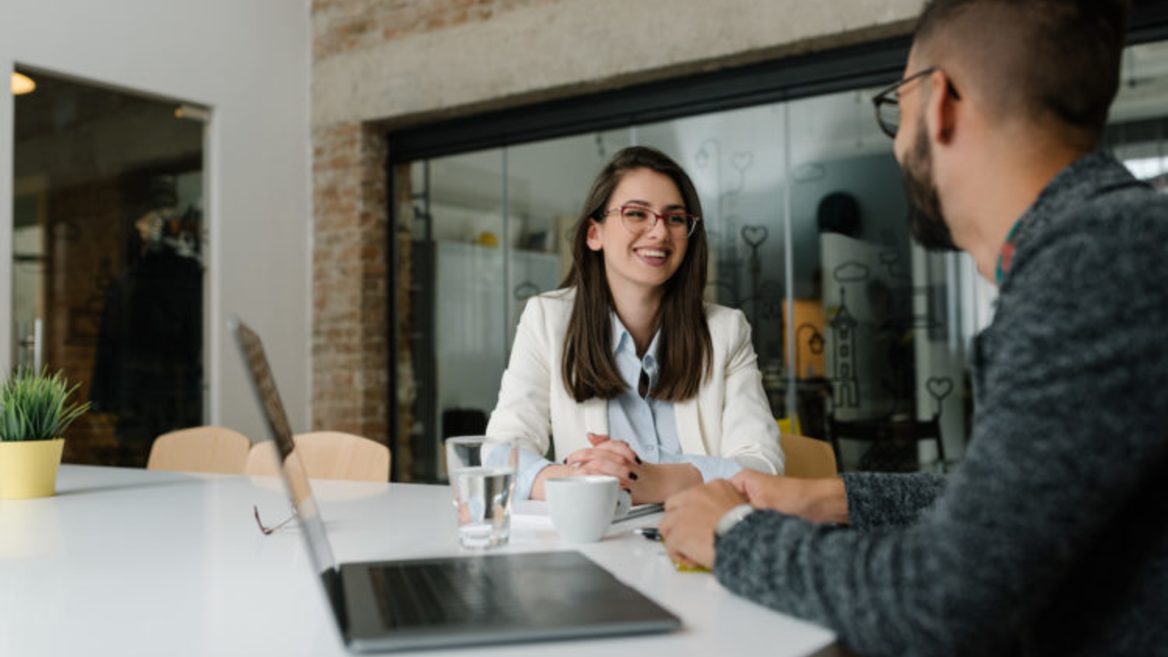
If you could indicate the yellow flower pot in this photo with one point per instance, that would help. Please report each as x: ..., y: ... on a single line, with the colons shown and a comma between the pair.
x: 28, y: 468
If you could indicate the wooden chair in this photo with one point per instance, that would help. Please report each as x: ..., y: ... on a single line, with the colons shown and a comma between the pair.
x: 807, y: 458
x: 886, y: 435
x: 200, y: 449
x: 327, y: 455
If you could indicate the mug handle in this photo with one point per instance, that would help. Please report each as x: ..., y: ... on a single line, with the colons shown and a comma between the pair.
x: 624, y: 502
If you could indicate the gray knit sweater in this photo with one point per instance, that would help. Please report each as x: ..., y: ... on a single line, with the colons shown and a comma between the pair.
x: 1051, y: 538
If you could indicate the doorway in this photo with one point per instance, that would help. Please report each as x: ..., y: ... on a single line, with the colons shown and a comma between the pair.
x: 108, y: 259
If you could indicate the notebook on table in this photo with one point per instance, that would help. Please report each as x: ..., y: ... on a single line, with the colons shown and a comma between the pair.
x: 449, y: 601
x: 538, y: 512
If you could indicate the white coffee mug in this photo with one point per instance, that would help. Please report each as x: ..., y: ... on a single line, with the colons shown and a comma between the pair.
x: 582, y: 508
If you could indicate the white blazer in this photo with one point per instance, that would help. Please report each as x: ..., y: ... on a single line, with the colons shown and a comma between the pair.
x: 729, y: 417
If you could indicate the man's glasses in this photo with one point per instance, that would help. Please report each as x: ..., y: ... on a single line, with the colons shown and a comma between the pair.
x: 266, y: 529
x: 637, y: 219
x: 887, y: 102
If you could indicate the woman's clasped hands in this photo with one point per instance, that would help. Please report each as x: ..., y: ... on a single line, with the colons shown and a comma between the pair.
x: 607, y: 457
x: 646, y: 482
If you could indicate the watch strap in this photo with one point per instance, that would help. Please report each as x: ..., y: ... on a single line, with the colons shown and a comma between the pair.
x: 732, y: 518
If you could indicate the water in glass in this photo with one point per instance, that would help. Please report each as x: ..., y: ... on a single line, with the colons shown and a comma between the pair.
x: 482, y: 502
x: 482, y: 484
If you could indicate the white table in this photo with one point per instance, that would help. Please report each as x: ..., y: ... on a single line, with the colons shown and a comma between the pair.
x: 134, y: 562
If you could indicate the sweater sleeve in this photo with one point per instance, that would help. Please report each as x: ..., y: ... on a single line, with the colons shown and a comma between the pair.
x: 877, y: 499
x: 1069, y: 430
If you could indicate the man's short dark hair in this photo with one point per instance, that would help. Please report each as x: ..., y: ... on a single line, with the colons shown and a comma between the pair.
x: 1048, y: 58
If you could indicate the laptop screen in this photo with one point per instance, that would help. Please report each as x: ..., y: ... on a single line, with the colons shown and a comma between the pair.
x: 295, y: 478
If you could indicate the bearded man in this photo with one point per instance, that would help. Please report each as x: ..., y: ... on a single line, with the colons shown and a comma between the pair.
x: 1051, y: 536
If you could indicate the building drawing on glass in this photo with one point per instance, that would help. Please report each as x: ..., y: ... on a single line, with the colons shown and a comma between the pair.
x: 843, y: 330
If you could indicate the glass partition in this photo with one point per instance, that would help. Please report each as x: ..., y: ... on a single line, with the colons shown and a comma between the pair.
x: 108, y: 259
x: 806, y: 213
x: 737, y: 162
x: 546, y: 185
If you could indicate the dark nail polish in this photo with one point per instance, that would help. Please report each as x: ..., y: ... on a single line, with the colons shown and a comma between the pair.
x: 632, y: 475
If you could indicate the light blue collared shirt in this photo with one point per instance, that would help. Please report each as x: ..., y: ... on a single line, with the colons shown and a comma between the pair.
x: 648, y: 425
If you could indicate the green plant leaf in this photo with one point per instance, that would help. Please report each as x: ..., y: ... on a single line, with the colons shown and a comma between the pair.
x: 35, y: 406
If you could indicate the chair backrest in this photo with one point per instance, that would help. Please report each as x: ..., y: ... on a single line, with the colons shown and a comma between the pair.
x: 327, y: 455
x: 200, y: 449
x: 807, y: 458
x: 885, y: 430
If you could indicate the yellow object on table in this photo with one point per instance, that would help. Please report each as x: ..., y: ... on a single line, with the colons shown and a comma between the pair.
x: 687, y: 568
x: 28, y: 468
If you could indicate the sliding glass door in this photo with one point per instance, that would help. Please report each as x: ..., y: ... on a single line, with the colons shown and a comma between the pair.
x: 803, y: 201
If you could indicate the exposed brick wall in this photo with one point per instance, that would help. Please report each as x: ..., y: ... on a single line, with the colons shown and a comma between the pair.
x: 84, y: 245
x: 349, y: 338
x: 350, y: 331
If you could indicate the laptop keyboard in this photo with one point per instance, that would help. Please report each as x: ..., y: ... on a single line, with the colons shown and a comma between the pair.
x: 456, y: 591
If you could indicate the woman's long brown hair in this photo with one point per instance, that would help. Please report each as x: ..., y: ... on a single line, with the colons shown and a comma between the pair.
x: 684, y: 348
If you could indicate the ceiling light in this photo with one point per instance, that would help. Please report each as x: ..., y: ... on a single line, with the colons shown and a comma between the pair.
x: 192, y: 112
x: 22, y: 84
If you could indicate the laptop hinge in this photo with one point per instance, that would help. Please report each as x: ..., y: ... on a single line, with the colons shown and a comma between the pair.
x: 334, y: 589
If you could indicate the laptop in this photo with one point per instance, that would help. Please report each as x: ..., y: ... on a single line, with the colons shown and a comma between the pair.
x: 442, y: 602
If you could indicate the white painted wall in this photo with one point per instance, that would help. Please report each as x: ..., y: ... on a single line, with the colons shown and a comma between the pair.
x: 249, y: 62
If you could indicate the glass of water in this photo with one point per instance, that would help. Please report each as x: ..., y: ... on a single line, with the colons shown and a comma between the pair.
x: 482, y: 482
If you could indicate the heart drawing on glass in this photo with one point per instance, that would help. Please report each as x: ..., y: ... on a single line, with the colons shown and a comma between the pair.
x: 754, y: 236
x: 742, y: 160
x: 939, y: 387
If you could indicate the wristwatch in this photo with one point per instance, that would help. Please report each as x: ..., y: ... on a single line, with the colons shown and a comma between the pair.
x: 732, y: 518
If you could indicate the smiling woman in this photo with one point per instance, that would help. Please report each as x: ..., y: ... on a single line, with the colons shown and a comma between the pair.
x: 650, y: 272
x: 636, y: 376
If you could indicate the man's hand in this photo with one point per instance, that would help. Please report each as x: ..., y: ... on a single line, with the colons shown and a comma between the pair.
x: 691, y: 517
x: 766, y: 491
x: 816, y: 500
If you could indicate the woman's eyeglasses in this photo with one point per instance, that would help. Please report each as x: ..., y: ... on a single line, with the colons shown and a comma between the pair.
x: 266, y: 529
x: 637, y: 219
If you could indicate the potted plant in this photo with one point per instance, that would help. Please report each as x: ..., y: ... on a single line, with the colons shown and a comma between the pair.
x: 34, y: 413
